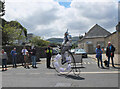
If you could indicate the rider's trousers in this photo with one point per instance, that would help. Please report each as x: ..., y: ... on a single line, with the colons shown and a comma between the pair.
x: 65, y: 48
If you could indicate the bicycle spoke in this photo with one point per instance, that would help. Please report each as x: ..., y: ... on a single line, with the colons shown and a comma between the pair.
x: 69, y: 66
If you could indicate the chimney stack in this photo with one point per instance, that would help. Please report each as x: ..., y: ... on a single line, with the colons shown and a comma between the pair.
x: 118, y: 27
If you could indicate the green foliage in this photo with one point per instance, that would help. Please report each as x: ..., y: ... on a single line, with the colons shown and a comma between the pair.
x: 80, y: 37
x: 55, y: 40
x: 10, y: 34
x: 75, y: 45
x: 54, y: 44
x: 38, y: 41
x: 17, y: 25
x: 12, y: 31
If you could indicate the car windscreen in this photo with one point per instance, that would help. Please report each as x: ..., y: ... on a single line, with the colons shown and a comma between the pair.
x: 80, y: 50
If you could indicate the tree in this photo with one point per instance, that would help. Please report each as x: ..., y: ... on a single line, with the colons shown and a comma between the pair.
x: 10, y: 34
x: 38, y: 41
x: 12, y: 31
x: 75, y: 45
x: 80, y: 37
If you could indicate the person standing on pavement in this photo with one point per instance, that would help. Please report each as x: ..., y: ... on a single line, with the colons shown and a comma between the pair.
x: 29, y: 51
x: 4, y: 58
x: 14, y: 57
x: 24, y: 53
x: 99, y: 55
x: 33, y: 57
x: 48, y: 52
x: 26, y: 59
x: 110, y: 53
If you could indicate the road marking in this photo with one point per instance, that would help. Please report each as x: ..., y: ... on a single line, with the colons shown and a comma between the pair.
x: 88, y: 62
x: 84, y: 62
x: 93, y: 62
x: 108, y: 72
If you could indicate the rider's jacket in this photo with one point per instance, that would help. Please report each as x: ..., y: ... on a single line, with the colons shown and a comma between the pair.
x: 67, y: 41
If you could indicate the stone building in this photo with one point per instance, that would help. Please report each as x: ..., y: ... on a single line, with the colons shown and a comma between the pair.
x: 96, y: 35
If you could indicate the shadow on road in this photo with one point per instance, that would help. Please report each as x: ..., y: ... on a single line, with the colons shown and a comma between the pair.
x: 78, y: 67
x: 112, y: 67
x: 116, y: 67
x: 71, y: 77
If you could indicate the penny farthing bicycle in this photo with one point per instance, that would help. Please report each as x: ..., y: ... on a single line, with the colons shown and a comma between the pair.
x: 69, y: 66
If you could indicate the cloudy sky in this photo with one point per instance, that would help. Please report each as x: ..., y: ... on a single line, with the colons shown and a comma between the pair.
x: 51, y: 18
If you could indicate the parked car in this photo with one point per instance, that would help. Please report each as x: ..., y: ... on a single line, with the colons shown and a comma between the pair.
x: 56, y: 51
x: 81, y: 52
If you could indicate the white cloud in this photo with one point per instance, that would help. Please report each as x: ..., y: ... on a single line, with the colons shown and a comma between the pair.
x: 48, y: 19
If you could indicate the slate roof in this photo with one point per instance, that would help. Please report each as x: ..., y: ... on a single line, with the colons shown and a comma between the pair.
x: 97, y: 31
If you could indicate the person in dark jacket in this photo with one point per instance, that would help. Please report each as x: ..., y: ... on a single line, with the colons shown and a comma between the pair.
x: 48, y: 52
x: 110, y: 53
x: 33, y: 57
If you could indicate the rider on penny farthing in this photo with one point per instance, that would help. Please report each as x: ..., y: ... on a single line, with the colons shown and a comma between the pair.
x: 66, y: 45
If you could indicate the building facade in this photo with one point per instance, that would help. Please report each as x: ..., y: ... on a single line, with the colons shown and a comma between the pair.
x: 96, y: 35
x: 90, y: 41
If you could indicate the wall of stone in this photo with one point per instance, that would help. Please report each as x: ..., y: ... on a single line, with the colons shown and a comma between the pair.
x: 113, y: 39
x: 40, y: 52
x: 119, y: 43
x: 119, y: 47
x: 93, y: 41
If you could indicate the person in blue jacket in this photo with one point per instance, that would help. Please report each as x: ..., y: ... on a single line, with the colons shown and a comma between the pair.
x: 99, y: 55
x: 14, y: 57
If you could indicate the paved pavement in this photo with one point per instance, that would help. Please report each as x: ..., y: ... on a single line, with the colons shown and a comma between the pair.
x: 91, y: 76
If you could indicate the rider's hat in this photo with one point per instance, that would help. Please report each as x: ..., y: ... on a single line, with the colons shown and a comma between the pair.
x: 66, y: 32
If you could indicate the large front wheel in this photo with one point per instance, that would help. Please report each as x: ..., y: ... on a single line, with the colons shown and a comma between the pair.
x: 65, y: 68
